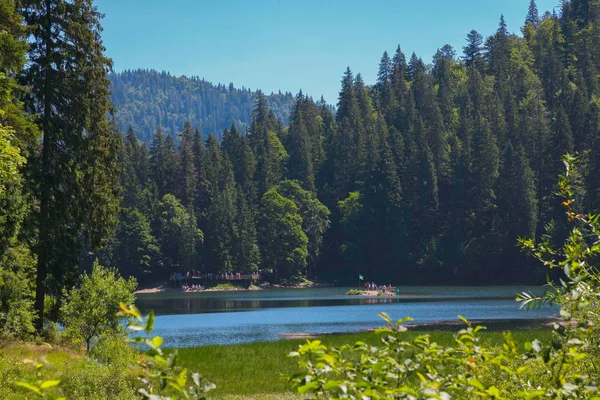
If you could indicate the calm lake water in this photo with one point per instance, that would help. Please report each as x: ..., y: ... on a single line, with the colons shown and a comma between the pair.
x: 197, y: 319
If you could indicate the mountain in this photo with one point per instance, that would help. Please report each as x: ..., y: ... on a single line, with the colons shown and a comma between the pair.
x: 147, y: 99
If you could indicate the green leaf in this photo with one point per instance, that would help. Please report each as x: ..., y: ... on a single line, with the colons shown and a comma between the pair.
x: 150, y: 322
x: 157, y: 341
x: 182, y: 378
x: 49, y: 384
x: 476, y: 383
x: 29, y: 387
x: 331, y: 385
x: 309, y: 386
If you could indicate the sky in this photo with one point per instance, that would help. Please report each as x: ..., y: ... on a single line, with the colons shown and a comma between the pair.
x: 290, y: 45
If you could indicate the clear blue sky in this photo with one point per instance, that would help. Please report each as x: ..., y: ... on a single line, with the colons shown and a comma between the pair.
x: 289, y: 45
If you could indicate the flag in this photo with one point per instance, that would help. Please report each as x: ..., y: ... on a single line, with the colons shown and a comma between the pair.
x: 362, y: 278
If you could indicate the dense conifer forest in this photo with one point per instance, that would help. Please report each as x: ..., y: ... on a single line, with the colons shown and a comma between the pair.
x: 428, y: 176
x: 146, y: 100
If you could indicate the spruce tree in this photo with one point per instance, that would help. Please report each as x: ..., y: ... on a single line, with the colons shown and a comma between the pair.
x: 237, y: 147
x: 266, y: 145
x: 158, y: 162
x: 187, y: 175
x: 532, y: 14
x: 79, y: 176
x: 517, y: 209
x: 473, y: 50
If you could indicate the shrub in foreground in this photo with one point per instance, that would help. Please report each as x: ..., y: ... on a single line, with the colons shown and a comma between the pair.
x: 90, y: 310
x: 563, y: 368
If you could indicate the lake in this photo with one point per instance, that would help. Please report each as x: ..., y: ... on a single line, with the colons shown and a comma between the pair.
x: 197, y: 319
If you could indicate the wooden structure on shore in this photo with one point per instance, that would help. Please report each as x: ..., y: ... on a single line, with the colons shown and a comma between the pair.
x: 180, y: 279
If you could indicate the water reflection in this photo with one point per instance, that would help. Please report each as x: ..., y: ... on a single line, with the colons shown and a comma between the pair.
x: 191, y: 319
x: 210, y: 302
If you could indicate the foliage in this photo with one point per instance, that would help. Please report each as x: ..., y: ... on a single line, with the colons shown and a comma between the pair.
x: 134, y: 249
x: 76, y: 172
x: 284, y: 244
x: 163, y: 379
x: 355, y: 292
x: 17, y: 267
x: 445, y: 166
x: 40, y: 387
x: 89, y: 310
x: 10, y: 159
x: 561, y: 368
x: 177, y: 234
x: 147, y: 99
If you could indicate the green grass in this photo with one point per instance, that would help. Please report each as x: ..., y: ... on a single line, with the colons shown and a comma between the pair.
x: 254, y: 370
x: 250, y: 371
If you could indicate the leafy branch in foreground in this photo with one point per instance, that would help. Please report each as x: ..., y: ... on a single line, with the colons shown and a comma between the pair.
x: 563, y: 368
x: 162, y: 379
x: 40, y: 387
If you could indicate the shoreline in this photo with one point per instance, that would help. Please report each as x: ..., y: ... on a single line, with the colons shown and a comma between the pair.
x: 165, y: 288
x: 492, y: 325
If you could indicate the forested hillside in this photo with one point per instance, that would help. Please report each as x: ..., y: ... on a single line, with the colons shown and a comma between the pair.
x: 146, y: 99
x: 428, y: 176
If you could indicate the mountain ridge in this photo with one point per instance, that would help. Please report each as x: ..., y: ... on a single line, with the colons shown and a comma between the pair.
x: 146, y: 99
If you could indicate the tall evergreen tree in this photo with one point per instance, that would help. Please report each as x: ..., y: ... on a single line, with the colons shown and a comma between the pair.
x: 268, y: 150
x: 186, y: 170
x: 79, y: 175
x: 532, y: 14
x: 473, y: 50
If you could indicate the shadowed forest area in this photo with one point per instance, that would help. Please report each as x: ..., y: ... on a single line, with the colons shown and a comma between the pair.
x: 428, y: 176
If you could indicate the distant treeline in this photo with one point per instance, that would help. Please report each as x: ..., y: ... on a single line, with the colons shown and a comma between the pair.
x: 147, y: 99
x: 428, y: 176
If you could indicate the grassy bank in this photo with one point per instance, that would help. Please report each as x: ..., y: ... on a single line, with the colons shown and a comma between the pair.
x: 244, y: 371
x: 256, y: 369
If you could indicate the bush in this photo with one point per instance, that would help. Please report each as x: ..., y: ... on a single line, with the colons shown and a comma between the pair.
x: 562, y: 368
x: 113, y: 349
x: 16, y: 294
x: 90, y: 310
x: 355, y: 292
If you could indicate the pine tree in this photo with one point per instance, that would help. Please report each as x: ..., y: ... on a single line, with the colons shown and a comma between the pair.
x: 246, y: 254
x: 444, y: 62
x: 299, y: 139
x: 266, y: 145
x: 187, y: 175
x: 134, y: 249
x: 347, y: 143
x: 532, y: 14
x: 158, y: 162
x: 384, y: 93
x: 473, y: 50
x: 498, y: 53
x: 170, y: 165
x: 517, y: 209
x: 177, y: 234
x: 237, y: 147
x: 79, y: 176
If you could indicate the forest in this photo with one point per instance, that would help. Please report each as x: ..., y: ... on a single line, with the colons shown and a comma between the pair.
x: 428, y: 176
x: 146, y: 100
